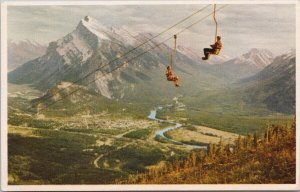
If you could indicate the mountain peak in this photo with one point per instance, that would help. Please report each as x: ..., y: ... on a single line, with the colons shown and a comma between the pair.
x: 256, y: 51
x: 79, y: 45
x: 290, y: 54
x: 87, y: 18
x: 257, y: 57
x: 90, y: 24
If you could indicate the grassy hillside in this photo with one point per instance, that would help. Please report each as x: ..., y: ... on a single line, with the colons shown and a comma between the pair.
x: 255, y: 159
x: 39, y: 156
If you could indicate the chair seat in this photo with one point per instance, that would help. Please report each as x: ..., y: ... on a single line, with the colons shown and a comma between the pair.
x: 217, y: 52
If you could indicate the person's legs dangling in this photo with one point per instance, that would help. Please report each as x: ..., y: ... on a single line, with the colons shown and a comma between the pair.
x: 207, y: 52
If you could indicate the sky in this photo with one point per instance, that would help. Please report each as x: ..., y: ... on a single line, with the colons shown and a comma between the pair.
x: 242, y: 27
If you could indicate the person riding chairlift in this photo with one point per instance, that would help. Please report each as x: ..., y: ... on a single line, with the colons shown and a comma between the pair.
x: 215, y: 49
x: 171, y: 77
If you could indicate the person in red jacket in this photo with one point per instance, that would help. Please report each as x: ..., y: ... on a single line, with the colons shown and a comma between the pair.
x: 215, y: 49
x: 171, y: 77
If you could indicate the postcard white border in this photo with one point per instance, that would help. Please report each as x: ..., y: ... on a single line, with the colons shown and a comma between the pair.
x: 4, y: 171
x: 186, y: 187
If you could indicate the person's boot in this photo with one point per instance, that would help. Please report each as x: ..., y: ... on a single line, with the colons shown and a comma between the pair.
x: 204, y: 58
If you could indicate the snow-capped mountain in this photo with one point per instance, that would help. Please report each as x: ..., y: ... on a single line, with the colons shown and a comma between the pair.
x: 88, y: 38
x: 197, y: 56
x: 275, y: 85
x: 260, y: 58
x: 74, y: 56
x: 81, y: 43
x: 23, y: 51
x: 91, y: 55
x: 245, y: 65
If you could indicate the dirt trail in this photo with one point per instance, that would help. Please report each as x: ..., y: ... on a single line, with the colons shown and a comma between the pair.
x: 109, y: 142
x: 96, y: 161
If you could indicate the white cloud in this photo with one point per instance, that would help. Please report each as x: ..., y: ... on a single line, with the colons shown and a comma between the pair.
x: 241, y: 26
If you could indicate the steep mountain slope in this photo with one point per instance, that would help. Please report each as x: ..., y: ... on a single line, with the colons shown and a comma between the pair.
x: 61, y: 90
x: 275, y: 85
x: 89, y: 53
x: 23, y: 51
x: 246, y: 65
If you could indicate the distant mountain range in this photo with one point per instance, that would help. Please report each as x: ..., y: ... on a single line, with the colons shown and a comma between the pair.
x: 22, y: 51
x: 228, y: 68
x: 89, y: 50
x: 87, y: 56
x: 275, y: 85
x: 244, y: 66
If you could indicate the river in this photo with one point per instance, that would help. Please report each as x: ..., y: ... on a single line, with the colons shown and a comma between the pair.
x: 162, y: 132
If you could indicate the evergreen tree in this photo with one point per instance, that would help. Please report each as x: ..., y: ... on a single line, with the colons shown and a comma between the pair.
x: 267, y: 139
x: 194, y: 158
x: 209, y: 149
x: 255, y: 140
x: 214, y: 149
x: 221, y: 147
x: 238, y: 143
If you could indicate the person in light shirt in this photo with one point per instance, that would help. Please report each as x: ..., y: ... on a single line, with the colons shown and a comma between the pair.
x: 215, y: 49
